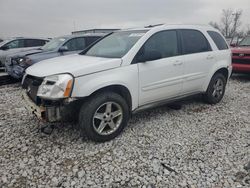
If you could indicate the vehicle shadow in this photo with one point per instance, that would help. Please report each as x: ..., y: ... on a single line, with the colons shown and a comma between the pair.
x: 183, y: 105
x: 241, y: 77
x: 71, y: 130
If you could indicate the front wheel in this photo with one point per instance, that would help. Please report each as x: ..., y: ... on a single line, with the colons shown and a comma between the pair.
x: 216, y: 89
x: 103, y: 116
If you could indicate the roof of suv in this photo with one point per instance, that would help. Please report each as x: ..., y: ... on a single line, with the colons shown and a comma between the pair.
x: 83, y: 35
x: 171, y: 26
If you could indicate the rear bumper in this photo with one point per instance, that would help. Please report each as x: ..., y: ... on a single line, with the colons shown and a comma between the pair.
x: 241, y: 68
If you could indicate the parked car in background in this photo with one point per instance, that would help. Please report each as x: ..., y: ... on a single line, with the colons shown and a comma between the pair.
x: 234, y: 41
x: 14, y: 45
x: 128, y: 71
x: 65, y: 45
x: 1, y: 40
x: 241, y: 56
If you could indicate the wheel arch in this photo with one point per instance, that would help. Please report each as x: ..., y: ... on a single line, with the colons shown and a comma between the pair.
x: 119, y: 89
x: 222, y: 70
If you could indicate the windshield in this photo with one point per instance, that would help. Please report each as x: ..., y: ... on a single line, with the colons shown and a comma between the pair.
x: 5, y: 42
x: 115, y: 45
x: 245, y: 42
x: 53, y: 44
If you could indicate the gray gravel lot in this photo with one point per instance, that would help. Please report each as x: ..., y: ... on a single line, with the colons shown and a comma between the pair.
x: 197, y: 146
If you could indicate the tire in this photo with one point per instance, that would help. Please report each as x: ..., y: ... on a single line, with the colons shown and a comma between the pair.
x: 103, y: 116
x: 216, y: 89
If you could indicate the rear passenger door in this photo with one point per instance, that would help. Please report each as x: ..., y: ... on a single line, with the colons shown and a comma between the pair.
x: 198, y: 58
x: 161, y: 79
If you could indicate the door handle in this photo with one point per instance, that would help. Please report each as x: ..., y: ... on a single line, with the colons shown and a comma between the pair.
x: 176, y: 63
x: 209, y: 57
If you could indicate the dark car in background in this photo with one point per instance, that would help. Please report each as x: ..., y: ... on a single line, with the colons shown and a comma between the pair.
x: 65, y: 45
x: 241, y: 56
x: 18, y: 44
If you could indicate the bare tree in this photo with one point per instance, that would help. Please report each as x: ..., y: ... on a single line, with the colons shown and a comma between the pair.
x: 227, y: 22
x: 215, y: 25
x: 248, y: 30
x: 236, y: 23
x: 230, y: 23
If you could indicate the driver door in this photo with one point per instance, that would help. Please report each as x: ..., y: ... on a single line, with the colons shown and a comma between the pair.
x: 162, y: 78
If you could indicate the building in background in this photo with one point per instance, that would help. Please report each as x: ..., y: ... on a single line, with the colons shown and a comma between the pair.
x: 93, y: 31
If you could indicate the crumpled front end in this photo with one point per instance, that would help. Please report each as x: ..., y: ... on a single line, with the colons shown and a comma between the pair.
x: 47, y: 110
x: 15, y: 68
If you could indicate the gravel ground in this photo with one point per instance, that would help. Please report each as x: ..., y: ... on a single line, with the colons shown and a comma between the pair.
x: 197, y: 146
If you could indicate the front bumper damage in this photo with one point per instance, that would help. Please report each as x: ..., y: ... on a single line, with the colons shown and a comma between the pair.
x: 45, y: 113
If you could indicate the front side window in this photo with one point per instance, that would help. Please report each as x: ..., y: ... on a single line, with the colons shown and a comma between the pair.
x: 115, y: 45
x: 245, y: 42
x: 75, y: 44
x: 194, y: 41
x: 218, y: 40
x: 54, y: 44
x: 164, y: 42
x: 15, y: 44
x: 90, y: 40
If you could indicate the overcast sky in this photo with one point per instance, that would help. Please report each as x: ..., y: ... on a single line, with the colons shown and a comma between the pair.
x: 49, y: 18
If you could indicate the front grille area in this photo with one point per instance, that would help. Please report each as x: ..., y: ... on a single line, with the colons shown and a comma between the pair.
x: 31, y: 84
x: 241, y: 61
x: 240, y: 54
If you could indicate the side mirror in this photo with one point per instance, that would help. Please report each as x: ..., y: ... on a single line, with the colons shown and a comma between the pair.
x: 4, y: 48
x: 151, y: 55
x: 63, y: 49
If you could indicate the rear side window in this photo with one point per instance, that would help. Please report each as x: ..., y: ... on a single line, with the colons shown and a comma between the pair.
x: 34, y: 42
x: 164, y: 42
x: 194, y: 41
x: 218, y: 40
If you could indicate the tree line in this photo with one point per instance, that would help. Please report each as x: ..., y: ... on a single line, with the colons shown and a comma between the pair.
x: 230, y: 24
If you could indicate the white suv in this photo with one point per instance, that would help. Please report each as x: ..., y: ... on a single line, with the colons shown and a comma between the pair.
x: 128, y: 71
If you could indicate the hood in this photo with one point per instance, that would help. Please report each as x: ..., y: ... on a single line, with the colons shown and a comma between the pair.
x: 27, y: 52
x: 244, y: 50
x: 15, y: 50
x: 43, y: 55
x: 77, y: 65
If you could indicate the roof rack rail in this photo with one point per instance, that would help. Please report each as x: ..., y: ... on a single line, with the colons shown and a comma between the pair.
x: 149, y: 26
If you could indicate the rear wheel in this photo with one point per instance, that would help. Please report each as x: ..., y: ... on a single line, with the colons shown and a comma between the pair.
x: 103, y: 116
x: 216, y: 89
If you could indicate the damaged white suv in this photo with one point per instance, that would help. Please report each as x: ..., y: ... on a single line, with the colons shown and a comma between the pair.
x: 128, y: 71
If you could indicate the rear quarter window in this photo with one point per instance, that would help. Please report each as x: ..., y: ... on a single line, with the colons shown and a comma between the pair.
x: 218, y: 40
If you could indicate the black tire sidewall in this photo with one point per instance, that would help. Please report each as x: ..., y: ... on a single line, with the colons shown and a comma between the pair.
x: 208, y: 96
x: 88, y: 110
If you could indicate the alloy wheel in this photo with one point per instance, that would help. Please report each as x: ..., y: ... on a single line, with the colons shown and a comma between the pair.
x: 218, y: 88
x: 107, y: 118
